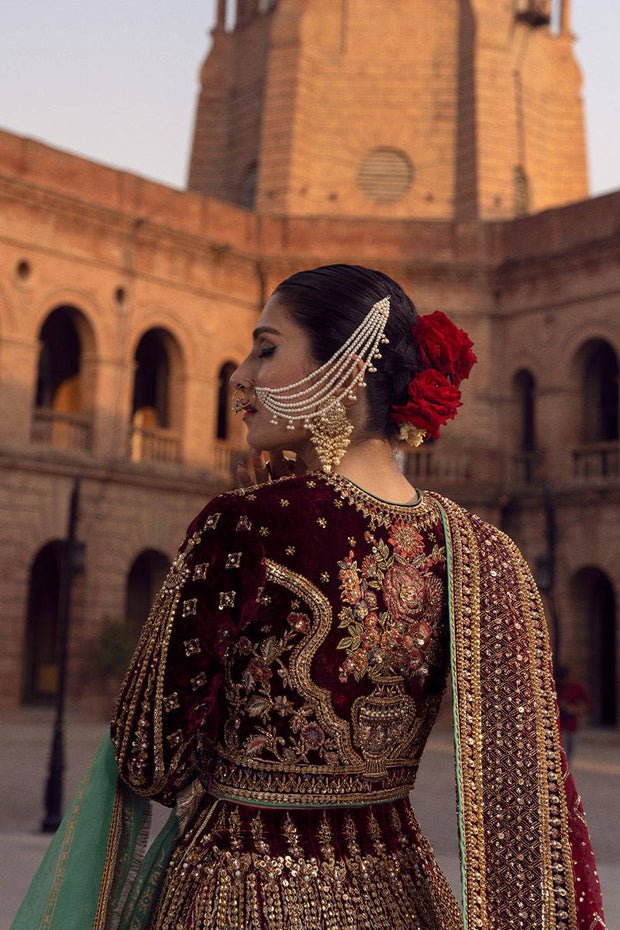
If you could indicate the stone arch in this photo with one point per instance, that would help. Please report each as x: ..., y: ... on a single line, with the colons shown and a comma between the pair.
x: 527, y: 458
x: 64, y: 394
x: 524, y: 394
x: 144, y: 579
x: 596, y: 368
x: 224, y: 401
x: 594, y: 601
x: 157, y: 407
x: 40, y: 670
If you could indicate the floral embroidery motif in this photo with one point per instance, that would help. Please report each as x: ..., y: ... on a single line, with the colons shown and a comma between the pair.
x: 263, y: 666
x: 233, y: 560
x: 395, y: 640
x: 190, y: 607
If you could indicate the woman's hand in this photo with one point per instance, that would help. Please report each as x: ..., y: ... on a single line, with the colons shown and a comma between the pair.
x: 278, y: 466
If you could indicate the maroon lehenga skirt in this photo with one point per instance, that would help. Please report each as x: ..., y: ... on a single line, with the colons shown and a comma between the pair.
x: 239, y: 867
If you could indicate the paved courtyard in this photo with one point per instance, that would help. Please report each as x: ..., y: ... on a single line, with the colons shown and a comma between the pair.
x: 25, y: 740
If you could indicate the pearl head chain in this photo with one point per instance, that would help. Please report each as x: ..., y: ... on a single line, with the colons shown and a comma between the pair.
x: 337, y: 378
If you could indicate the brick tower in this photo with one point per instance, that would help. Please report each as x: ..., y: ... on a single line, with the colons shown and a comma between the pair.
x: 436, y: 109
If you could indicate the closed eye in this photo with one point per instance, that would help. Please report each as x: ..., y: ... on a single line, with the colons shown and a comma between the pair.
x: 266, y: 351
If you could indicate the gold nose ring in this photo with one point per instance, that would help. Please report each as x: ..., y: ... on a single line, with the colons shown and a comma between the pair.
x: 240, y: 401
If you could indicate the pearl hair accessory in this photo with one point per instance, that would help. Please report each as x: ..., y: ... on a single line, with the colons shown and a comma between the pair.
x: 318, y: 402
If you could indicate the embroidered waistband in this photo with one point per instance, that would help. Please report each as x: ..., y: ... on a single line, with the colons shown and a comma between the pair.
x: 275, y: 788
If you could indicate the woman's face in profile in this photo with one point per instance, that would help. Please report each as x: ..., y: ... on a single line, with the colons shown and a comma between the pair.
x: 280, y: 356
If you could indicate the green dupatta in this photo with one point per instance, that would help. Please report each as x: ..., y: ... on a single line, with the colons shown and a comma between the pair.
x: 90, y: 877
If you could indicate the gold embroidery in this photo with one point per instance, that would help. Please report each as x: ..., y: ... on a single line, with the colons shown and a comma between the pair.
x: 500, y: 670
x: 382, y: 513
x: 229, y: 876
x: 189, y: 607
x: 191, y: 646
x: 175, y: 738
x: 172, y: 701
x: 227, y: 599
x: 200, y: 571
x: 233, y: 560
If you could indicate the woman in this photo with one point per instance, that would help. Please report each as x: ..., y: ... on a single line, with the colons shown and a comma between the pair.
x: 293, y: 664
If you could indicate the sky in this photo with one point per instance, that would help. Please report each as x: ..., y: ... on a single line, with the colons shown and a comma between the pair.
x: 117, y: 81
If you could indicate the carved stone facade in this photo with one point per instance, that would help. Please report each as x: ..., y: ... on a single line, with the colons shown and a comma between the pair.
x: 122, y: 302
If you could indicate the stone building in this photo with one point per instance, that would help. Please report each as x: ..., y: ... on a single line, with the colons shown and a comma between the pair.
x: 439, y: 140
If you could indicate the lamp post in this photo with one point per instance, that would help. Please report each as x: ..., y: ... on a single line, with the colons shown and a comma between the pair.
x: 72, y: 564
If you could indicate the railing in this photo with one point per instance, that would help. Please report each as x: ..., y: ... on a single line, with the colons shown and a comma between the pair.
x: 438, y: 464
x: 223, y: 460
x: 443, y: 467
x: 64, y: 430
x: 594, y: 460
x: 527, y: 468
x: 154, y: 445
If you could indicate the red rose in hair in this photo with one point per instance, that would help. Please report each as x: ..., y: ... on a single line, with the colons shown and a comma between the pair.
x: 443, y: 346
x: 432, y: 402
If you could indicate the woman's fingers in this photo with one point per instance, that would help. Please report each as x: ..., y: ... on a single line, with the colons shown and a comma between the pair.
x: 261, y: 468
x: 280, y: 465
x: 244, y: 478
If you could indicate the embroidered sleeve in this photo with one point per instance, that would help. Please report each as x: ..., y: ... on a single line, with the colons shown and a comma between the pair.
x: 167, y: 712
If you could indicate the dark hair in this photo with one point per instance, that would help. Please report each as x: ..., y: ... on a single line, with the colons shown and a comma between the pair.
x: 330, y: 303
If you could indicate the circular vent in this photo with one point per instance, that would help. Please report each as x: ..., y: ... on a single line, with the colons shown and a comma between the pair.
x: 385, y: 174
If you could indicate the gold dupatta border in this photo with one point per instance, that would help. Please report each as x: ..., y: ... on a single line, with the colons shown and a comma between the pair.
x: 516, y: 859
x: 63, y: 856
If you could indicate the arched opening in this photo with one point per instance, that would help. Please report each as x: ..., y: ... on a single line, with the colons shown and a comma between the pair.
x: 60, y: 396
x: 144, y: 580
x: 599, y: 392
x: 534, y: 12
x: 156, y: 402
x: 595, y: 607
x: 224, y: 401
x: 41, y: 654
x: 230, y: 447
x: 525, y: 389
x: 527, y: 457
x: 597, y: 371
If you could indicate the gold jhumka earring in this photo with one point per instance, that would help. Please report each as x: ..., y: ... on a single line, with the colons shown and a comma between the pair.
x: 317, y: 400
